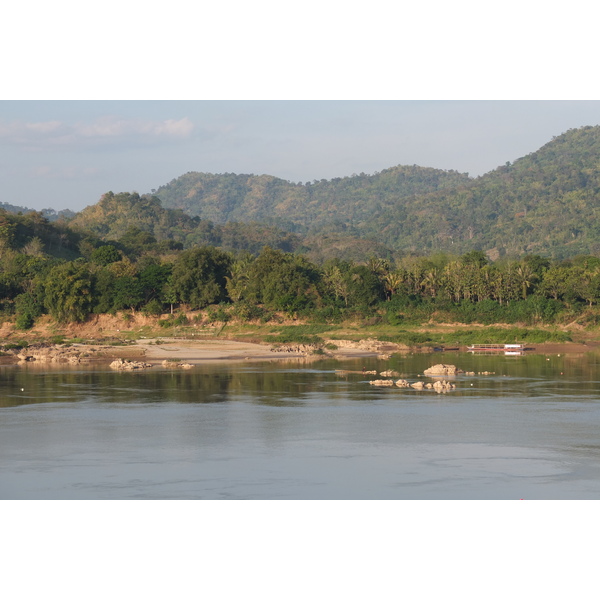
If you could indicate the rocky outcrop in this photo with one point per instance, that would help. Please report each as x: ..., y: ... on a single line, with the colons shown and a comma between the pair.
x: 443, y: 386
x: 382, y: 382
x: 438, y: 370
x: 370, y: 345
x: 176, y: 365
x: 128, y: 365
x: 303, y: 349
x: 390, y: 374
x: 52, y: 353
x: 440, y: 387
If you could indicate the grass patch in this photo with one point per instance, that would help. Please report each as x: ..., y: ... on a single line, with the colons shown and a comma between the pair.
x: 486, y: 335
x: 293, y: 338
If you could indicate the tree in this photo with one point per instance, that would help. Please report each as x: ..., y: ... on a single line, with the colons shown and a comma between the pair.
x: 153, y: 279
x: 105, y: 255
x: 237, y: 281
x: 67, y: 292
x: 336, y: 283
x: 364, y: 286
x: 199, y: 276
x: 283, y: 281
x: 392, y: 282
x: 128, y: 293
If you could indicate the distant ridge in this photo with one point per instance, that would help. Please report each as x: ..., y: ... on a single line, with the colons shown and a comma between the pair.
x: 547, y: 202
x: 348, y: 200
x: 48, y: 213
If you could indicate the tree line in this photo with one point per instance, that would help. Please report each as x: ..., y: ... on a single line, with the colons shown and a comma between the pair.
x: 156, y: 279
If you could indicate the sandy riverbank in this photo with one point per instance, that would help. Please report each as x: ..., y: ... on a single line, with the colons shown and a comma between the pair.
x: 195, y: 352
x: 199, y: 351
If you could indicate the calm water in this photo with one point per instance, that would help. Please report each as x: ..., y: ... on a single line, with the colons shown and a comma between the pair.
x: 298, y: 430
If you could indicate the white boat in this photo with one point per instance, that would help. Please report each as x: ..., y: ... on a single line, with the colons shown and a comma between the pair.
x: 506, y: 348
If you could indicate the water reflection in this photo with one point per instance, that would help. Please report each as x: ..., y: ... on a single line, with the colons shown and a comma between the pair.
x: 293, y: 430
x: 565, y: 378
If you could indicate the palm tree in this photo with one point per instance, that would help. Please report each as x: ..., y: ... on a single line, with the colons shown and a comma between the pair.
x: 526, y: 277
x: 430, y: 282
x: 391, y: 282
x: 238, y: 282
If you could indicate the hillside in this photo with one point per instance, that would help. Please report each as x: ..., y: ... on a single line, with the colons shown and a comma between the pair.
x: 295, y: 206
x: 545, y: 203
x: 48, y: 213
x: 121, y: 217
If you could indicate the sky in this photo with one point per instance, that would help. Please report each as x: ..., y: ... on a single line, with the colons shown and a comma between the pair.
x: 129, y: 97
x: 66, y: 153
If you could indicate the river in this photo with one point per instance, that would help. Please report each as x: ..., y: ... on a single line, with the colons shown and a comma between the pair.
x: 299, y: 430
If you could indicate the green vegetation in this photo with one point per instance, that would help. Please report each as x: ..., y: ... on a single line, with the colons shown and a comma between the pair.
x: 276, y: 285
x: 544, y: 203
x: 136, y: 224
x: 388, y: 252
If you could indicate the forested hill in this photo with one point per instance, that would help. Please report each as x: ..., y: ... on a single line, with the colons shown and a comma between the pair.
x: 349, y: 200
x: 131, y: 218
x: 546, y: 202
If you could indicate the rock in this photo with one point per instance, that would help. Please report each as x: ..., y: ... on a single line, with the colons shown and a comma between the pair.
x: 443, y: 386
x: 175, y: 365
x: 51, y: 353
x: 418, y: 386
x: 128, y: 365
x: 402, y: 383
x: 441, y: 370
x: 382, y: 382
x: 389, y: 374
x: 370, y: 345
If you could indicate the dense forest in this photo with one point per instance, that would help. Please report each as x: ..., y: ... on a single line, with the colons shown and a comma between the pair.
x: 68, y: 273
x: 544, y: 203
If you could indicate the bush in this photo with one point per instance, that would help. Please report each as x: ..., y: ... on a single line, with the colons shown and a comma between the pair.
x: 247, y: 311
x: 181, y: 319
x: 28, y: 308
x: 327, y: 314
x: 24, y: 321
x: 153, y: 308
x: 217, y: 314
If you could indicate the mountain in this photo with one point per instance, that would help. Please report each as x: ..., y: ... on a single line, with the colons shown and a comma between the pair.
x: 48, y: 213
x: 123, y: 216
x: 349, y: 200
x: 546, y: 202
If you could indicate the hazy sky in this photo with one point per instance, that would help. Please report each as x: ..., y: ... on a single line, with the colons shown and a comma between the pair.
x: 66, y: 154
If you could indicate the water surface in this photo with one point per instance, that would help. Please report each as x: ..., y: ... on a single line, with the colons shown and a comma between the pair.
x: 296, y: 430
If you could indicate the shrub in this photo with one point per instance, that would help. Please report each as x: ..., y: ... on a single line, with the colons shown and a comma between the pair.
x: 153, y: 308
x: 24, y: 321
x: 217, y: 314
x: 181, y: 319
x: 248, y: 311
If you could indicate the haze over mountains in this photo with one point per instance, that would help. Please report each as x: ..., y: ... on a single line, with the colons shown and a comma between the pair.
x: 544, y: 203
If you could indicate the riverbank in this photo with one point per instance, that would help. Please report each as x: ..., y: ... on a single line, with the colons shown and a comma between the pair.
x: 196, y: 352
x: 105, y: 338
x: 200, y: 351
